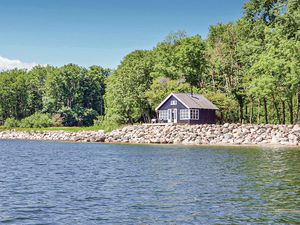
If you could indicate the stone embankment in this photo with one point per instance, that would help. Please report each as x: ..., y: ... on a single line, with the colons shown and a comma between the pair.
x: 235, y: 134
x: 83, y: 136
x: 227, y: 134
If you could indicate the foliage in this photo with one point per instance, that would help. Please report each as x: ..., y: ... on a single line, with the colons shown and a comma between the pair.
x: 227, y: 106
x: 11, y: 123
x: 249, y: 68
x: 49, y: 89
x: 125, y: 97
x: 78, y: 116
x: 57, y: 120
x: 37, y: 120
x: 99, y: 120
x: 162, y: 87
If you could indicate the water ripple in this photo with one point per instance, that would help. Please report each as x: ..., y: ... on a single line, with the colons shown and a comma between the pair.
x: 71, y: 183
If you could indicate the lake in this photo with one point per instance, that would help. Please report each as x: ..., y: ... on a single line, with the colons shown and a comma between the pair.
x: 75, y: 183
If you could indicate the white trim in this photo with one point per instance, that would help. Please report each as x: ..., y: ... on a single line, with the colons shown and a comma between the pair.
x: 163, y: 115
x: 187, y: 113
x: 163, y: 102
x: 196, y: 113
x: 175, y: 115
x: 173, y: 102
x: 170, y: 115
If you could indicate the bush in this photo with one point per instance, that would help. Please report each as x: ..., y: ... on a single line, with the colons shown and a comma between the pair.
x: 11, y: 123
x: 88, y: 117
x: 68, y: 116
x: 78, y: 116
x: 57, y: 120
x: 98, y: 121
x: 37, y: 120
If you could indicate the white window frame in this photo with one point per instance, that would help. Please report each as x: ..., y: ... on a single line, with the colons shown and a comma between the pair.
x: 163, y: 114
x: 184, y: 114
x: 194, y: 114
x: 173, y: 102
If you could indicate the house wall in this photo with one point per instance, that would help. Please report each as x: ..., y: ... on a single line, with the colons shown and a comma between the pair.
x: 167, y: 105
x: 206, y: 116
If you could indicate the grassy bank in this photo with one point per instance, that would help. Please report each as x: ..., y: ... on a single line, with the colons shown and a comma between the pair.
x: 106, y: 128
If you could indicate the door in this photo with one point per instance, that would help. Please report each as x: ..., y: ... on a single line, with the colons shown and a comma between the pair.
x: 175, y: 115
x: 169, y: 115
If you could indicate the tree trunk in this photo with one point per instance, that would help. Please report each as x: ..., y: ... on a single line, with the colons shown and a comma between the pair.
x: 277, y: 109
x: 246, y: 112
x: 283, y: 112
x: 266, y: 110
x: 221, y: 117
x: 191, y: 89
x: 291, y: 109
x: 258, y: 111
x: 251, y: 110
x: 241, y: 114
x: 298, y: 108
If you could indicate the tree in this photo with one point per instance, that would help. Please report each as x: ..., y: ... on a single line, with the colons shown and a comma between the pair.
x: 35, y: 82
x: 125, y: 97
x: 162, y: 87
x: 225, y: 67
x: 190, y: 55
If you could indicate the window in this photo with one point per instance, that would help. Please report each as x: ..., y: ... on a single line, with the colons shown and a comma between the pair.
x: 163, y: 114
x: 187, y: 114
x: 173, y: 102
x: 194, y: 114
x: 184, y: 114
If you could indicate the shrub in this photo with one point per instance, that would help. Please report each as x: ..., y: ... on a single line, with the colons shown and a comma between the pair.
x: 98, y: 121
x: 78, y: 116
x: 37, y: 120
x: 88, y: 117
x: 57, y: 120
x: 11, y: 123
x: 68, y: 116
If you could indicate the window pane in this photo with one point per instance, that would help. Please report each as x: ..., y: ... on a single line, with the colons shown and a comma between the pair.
x: 173, y: 102
x: 195, y: 114
x: 163, y: 114
x: 184, y: 114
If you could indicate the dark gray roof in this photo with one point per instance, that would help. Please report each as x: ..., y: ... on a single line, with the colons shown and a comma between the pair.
x: 195, y: 101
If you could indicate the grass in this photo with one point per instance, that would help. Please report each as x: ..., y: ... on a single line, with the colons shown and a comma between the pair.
x: 106, y: 129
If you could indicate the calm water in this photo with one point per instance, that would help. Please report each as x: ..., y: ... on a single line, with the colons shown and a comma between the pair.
x: 71, y: 183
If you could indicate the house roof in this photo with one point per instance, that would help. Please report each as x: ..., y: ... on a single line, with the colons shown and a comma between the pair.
x: 191, y: 101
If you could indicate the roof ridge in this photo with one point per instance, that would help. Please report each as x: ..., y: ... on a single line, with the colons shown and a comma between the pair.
x: 191, y: 100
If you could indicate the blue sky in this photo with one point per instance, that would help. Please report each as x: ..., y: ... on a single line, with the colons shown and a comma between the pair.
x: 96, y: 32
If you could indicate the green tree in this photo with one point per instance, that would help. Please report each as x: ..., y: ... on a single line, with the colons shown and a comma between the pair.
x: 162, y: 87
x: 125, y: 97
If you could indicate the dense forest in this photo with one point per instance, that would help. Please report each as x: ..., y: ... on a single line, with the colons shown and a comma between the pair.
x: 249, y: 68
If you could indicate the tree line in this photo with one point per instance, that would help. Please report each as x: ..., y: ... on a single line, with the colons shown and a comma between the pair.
x: 249, y: 68
x: 69, y: 93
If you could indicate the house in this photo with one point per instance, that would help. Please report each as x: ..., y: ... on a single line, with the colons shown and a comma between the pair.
x: 186, y: 108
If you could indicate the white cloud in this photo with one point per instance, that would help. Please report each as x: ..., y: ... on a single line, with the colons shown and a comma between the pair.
x: 8, y: 64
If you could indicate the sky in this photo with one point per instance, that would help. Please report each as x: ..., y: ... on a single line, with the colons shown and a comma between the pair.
x: 98, y: 32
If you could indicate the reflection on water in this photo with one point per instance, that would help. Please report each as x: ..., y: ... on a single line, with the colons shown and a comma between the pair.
x: 70, y: 183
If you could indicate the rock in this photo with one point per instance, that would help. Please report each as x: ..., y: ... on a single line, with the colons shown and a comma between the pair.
x: 259, y: 139
x: 238, y: 141
x: 227, y: 136
x: 226, y: 125
x: 177, y: 141
x: 155, y: 140
x: 163, y: 141
x: 176, y: 134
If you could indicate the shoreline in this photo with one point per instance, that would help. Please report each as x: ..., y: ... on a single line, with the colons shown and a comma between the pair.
x: 271, y: 146
x: 227, y: 135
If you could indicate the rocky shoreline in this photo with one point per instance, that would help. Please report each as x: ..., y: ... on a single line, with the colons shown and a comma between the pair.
x: 227, y: 134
